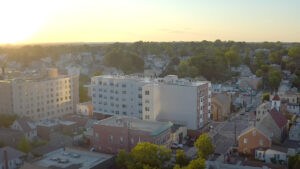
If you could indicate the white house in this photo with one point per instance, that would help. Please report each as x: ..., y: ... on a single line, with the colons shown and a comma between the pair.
x: 10, y: 157
x: 275, y: 154
x: 25, y: 125
x: 294, y: 133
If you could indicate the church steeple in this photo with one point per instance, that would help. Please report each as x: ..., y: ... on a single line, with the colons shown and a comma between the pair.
x: 276, y: 102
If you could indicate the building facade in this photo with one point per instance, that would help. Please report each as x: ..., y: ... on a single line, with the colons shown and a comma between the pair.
x: 117, y: 133
x: 44, y: 97
x: 220, y: 106
x: 117, y: 95
x: 253, y: 138
x: 179, y: 101
x: 85, y: 109
x: 157, y: 99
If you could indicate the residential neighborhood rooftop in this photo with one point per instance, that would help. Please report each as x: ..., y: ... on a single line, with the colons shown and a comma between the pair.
x: 135, y: 124
x: 72, y: 158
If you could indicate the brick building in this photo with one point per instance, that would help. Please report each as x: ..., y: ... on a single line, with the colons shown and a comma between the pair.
x: 116, y: 133
x: 253, y: 138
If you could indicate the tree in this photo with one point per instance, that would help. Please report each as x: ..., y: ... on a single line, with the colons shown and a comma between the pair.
x: 2, y: 144
x: 144, y: 155
x: 261, y: 58
x: 275, y: 57
x: 6, y: 120
x: 294, y: 162
x: 275, y: 77
x: 265, y: 96
x: 204, y: 146
x: 232, y: 58
x: 181, y: 158
x: 199, y: 163
x: 24, y: 145
x: 98, y: 73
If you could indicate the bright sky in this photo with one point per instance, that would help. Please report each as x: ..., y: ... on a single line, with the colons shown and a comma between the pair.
x: 35, y: 21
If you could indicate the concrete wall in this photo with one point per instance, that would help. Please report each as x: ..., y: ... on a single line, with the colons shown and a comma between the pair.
x: 6, y: 106
x: 45, y: 99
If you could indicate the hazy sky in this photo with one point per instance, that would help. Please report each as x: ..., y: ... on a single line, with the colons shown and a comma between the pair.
x: 33, y: 21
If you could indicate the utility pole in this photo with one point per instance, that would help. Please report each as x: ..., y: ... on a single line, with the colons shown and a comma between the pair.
x: 235, y: 132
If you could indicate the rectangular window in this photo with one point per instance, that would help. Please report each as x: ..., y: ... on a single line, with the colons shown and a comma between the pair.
x: 147, y: 92
x: 111, y: 139
x: 261, y: 142
x: 254, y: 133
x: 245, y: 141
x: 147, y: 109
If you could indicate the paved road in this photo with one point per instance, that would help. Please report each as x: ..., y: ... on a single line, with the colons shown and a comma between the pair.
x: 223, y: 134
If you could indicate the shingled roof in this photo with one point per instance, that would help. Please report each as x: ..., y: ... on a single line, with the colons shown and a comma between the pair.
x: 278, y: 118
x: 11, y: 153
x: 26, y: 124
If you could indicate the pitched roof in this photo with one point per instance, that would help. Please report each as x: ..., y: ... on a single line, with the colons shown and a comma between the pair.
x: 278, y: 118
x: 264, y: 131
x: 26, y: 124
x: 276, y: 97
x: 11, y: 153
x: 222, y: 97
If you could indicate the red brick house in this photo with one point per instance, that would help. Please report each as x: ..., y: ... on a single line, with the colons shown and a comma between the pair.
x: 117, y: 133
x: 253, y: 138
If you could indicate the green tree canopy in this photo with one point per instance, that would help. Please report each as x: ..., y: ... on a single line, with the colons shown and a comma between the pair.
x: 265, y: 97
x: 275, y: 77
x: 24, y: 145
x: 204, y: 146
x: 181, y: 158
x: 199, y: 163
x: 144, y: 155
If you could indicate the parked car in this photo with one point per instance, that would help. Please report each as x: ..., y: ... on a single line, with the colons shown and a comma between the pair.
x: 176, y: 146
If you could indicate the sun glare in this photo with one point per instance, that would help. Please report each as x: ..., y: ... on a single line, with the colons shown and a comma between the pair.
x: 21, y: 19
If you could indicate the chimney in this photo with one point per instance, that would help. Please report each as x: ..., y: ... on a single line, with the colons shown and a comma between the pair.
x: 5, y: 160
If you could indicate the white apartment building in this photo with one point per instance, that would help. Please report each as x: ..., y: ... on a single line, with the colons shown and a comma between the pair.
x: 177, y: 100
x: 162, y: 99
x: 118, y: 95
x: 46, y: 97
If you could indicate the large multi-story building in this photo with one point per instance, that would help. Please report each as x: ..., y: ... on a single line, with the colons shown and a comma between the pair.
x: 116, y: 133
x: 46, y: 96
x: 163, y: 99
x: 118, y: 95
x: 177, y: 100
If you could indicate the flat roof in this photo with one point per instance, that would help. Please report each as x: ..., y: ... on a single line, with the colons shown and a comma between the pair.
x: 71, y: 157
x: 136, y: 124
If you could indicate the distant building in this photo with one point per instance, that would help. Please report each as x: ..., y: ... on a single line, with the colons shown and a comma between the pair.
x: 262, y: 110
x: 294, y: 133
x: 273, y: 120
x: 163, y: 99
x: 220, y: 106
x: 117, y: 133
x: 67, y: 158
x: 41, y: 96
x: 85, y: 109
x: 117, y: 95
x: 249, y: 82
x: 45, y: 128
x: 274, y: 154
x: 253, y: 138
x: 179, y: 101
x: 26, y: 126
x: 10, y: 158
x: 10, y: 137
